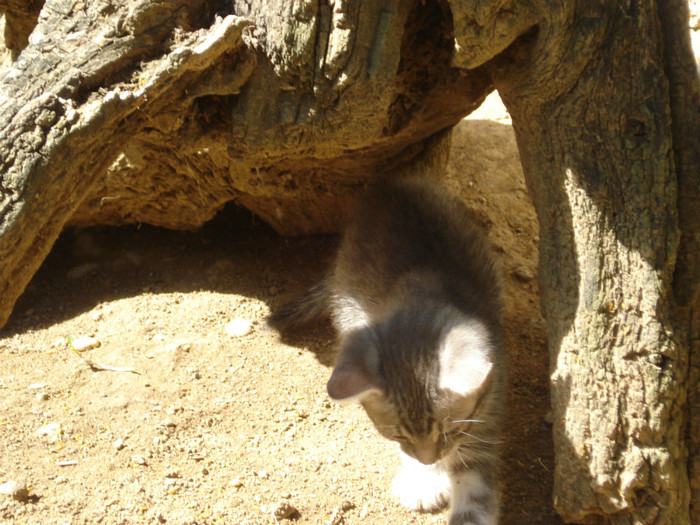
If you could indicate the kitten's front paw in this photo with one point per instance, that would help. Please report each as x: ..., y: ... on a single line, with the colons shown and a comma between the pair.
x: 475, y: 500
x: 421, y: 487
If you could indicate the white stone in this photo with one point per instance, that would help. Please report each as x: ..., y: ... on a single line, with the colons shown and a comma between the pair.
x: 239, y: 327
x: 52, y: 431
x: 84, y: 342
x: 15, y: 490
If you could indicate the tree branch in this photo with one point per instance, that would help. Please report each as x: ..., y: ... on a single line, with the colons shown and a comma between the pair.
x: 43, y: 117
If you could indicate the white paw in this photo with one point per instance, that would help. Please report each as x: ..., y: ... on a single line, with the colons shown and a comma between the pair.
x: 421, y: 487
x: 474, y: 501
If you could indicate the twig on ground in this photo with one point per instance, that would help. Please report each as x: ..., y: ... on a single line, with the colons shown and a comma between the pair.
x: 97, y: 367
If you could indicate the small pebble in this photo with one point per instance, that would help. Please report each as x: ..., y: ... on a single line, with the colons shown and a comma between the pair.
x: 84, y: 342
x: 284, y: 510
x: 238, y: 327
x: 119, y: 444
x: 17, y: 491
x: 523, y: 274
x: 347, y: 505
x: 139, y: 459
x: 336, y: 518
x: 549, y: 417
x: 337, y: 515
x: 52, y: 431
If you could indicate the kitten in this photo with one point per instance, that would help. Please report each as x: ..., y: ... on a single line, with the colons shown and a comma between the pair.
x: 415, y: 297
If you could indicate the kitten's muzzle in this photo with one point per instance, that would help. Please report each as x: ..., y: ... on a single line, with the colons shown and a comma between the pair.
x: 426, y: 453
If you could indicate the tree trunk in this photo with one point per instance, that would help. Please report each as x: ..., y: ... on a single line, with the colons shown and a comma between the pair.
x: 611, y: 159
x: 162, y: 111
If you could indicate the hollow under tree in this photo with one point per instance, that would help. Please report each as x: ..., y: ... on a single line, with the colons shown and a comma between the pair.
x: 160, y: 111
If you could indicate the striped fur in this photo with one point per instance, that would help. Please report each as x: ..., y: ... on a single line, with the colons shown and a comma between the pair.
x: 415, y: 297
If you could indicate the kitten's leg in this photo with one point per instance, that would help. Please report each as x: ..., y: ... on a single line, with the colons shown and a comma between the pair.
x: 421, y: 487
x: 474, y: 499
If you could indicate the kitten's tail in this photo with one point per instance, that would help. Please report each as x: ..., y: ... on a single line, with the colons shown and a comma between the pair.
x: 311, y: 306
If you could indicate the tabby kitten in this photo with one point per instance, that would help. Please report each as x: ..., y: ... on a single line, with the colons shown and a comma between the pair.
x: 415, y: 297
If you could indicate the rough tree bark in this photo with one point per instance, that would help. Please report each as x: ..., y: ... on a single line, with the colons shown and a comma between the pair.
x: 161, y: 111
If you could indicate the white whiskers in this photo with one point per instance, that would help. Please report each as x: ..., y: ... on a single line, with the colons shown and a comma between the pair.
x: 464, y: 463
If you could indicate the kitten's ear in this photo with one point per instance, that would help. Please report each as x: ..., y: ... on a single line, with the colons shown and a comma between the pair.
x: 350, y: 383
x: 466, y: 358
x: 356, y: 371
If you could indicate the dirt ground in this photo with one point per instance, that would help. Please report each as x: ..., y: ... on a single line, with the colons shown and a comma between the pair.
x: 209, y: 418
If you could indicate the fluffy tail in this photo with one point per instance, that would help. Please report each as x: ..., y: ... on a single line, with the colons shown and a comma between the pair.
x: 311, y: 306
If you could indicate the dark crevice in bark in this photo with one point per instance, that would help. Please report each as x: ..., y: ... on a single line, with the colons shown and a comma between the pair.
x: 426, y: 81
x: 693, y: 426
x: 323, y: 27
x: 20, y: 20
x: 518, y: 54
x: 680, y: 69
x: 684, y: 101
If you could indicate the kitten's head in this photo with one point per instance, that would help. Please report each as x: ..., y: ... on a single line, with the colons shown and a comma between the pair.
x: 421, y: 375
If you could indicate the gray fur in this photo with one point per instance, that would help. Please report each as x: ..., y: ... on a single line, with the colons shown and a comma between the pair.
x: 415, y: 297
x: 305, y: 309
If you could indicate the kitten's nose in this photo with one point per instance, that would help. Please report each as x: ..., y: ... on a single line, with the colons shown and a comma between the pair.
x: 426, y: 454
